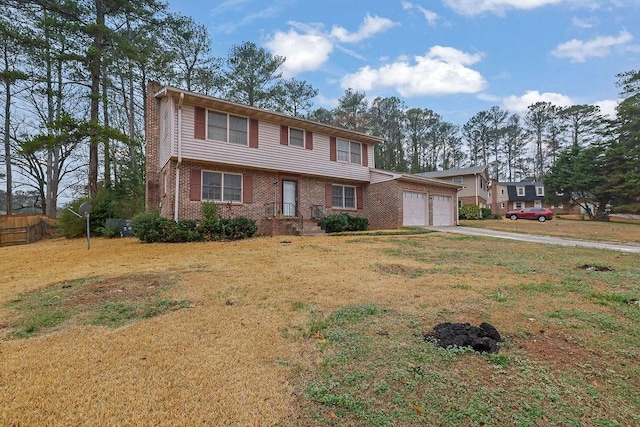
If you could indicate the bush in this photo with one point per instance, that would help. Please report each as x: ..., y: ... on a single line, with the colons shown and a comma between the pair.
x: 344, y: 222
x: 335, y: 223
x: 486, y: 213
x: 152, y: 228
x: 236, y: 228
x: 470, y: 212
x: 358, y: 223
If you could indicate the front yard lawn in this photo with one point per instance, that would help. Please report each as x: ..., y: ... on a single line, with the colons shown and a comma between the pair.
x: 316, y: 331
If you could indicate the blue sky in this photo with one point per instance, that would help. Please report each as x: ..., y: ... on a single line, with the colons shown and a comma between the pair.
x: 456, y: 57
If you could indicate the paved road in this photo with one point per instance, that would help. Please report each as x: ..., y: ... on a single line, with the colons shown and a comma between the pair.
x: 624, y: 247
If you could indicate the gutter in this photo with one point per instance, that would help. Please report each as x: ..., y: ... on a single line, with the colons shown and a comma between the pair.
x: 177, y: 189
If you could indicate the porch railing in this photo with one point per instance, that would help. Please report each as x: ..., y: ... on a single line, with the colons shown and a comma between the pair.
x: 289, y: 211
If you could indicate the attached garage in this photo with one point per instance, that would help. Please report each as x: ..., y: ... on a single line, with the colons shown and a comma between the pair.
x: 395, y: 200
x: 414, y: 209
x: 443, y: 210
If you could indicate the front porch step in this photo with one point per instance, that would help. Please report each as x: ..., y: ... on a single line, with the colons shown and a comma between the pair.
x: 291, y: 226
x: 311, y: 228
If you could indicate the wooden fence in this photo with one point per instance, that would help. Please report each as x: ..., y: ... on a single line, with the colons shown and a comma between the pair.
x: 24, y: 229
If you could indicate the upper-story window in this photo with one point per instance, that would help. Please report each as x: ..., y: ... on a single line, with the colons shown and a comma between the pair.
x: 221, y: 187
x: 227, y: 128
x: 539, y: 191
x: 349, y: 151
x: 520, y: 191
x: 502, y: 191
x: 296, y: 137
x: 457, y: 180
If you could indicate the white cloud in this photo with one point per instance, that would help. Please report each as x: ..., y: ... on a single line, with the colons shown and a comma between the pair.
x: 519, y: 104
x: 429, y: 15
x: 608, y: 107
x: 304, y: 52
x: 370, y: 26
x: 580, y: 50
x: 443, y: 70
x: 307, y: 46
x: 476, y: 7
x: 583, y: 23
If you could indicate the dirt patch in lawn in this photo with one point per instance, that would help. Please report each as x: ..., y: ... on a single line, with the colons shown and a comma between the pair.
x: 138, y: 288
x: 111, y: 302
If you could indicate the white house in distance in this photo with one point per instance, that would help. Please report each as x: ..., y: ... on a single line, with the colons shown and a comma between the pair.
x: 280, y: 170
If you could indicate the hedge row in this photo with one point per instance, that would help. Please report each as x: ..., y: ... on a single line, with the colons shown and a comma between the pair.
x: 152, y: 228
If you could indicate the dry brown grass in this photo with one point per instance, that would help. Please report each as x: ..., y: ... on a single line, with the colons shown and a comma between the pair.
x: 230, y: 360
x: 573, y: 227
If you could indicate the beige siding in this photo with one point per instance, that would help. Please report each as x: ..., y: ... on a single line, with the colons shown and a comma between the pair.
x: 168, y: 131
x: 378, y: 177
x: 270, y: 155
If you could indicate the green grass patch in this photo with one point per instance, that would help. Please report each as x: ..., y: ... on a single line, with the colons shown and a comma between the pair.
x: 110, y: 302
x: 377, y: 370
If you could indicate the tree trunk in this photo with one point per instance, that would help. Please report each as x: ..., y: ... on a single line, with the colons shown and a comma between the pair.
x: 7, y: 141
x: 95, y: 56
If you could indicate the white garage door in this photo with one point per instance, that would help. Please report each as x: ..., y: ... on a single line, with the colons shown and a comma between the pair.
x: 442, y: 210
x: 414, y: 209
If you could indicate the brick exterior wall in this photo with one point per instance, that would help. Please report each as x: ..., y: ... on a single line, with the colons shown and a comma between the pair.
x: 267, y: 190
x: 152, y: 134
x: 384, y: 205
x: 385, y: 202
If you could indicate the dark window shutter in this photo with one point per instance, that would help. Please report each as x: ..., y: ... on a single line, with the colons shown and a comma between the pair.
x: 199, y: 123
x: 308, y: 140
x: 365, y: 155
x: 247, y: 188
x: 195, y: 185
x: 333, y: 153
x: 284, y: 135
x: 328, y: 195
x: 358, y: 197
x: 253, y: 133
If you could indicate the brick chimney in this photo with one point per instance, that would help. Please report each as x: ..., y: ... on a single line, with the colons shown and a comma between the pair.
x: 152, y: 135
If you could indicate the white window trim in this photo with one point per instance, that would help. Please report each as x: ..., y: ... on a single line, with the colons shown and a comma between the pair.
x: 355, y: 197
x: 348, y: 151
x: 303, y: 137
x: 228, y: 127
x: 236, y: 202
x: 515, y: 205
x: 539, y: 191
x: 518, y: 191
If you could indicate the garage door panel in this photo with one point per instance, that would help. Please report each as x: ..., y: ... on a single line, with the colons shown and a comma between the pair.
x: 443, y: 210
x: 414, y: 209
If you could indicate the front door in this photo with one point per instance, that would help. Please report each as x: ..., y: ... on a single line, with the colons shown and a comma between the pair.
x: 289, y: 197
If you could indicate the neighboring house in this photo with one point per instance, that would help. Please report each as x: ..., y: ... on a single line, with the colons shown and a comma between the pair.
x: 506, y: 196
x: 474, y: 181
x: 285, y: 172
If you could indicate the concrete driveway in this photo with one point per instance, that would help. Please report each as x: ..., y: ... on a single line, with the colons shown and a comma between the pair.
x: 623, y: 247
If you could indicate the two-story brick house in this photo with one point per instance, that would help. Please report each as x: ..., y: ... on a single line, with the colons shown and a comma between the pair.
x: 270, y: 167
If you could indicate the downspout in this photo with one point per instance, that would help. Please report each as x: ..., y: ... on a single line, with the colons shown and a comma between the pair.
x: 177, y: 190
x: 476, y: 180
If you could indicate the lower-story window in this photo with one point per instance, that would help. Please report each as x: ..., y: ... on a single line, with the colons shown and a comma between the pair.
x: 221, y: 187
x: 517, y: 205
x: 344, y: 197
